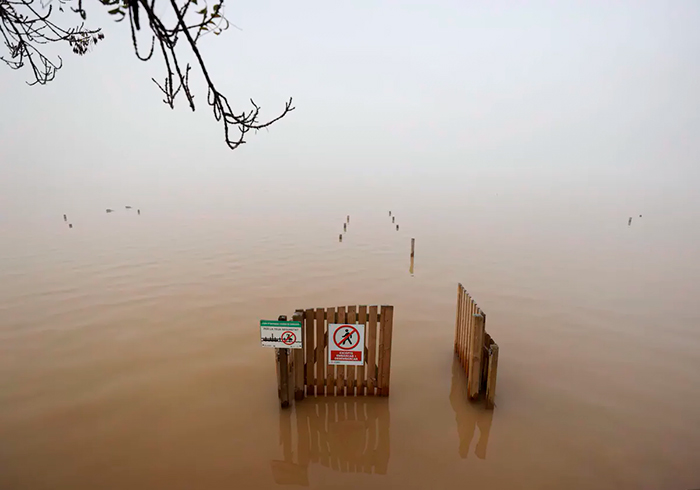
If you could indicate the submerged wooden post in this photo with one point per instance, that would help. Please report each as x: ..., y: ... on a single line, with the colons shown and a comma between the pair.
x: 491, y: 376
x: 283, y: 372
x: 386, y: 324
x: 476, y: 354
x: 458, y: 329
x: 283, y: 388
x: 298, y: 362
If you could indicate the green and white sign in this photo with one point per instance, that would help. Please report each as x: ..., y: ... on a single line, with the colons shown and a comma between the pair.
x: 280, y: 335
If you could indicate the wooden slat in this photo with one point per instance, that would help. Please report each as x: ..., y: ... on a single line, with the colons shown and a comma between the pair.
x: 385, y: 348
x: 459, y: 317
x: 485, y: 361
x: 298, y: 363
x: 340, y: 371
x: 330, y: 370
x: 320, y: 352
x: 361, y: 380
x: 463, y: 325
x: 476, y: 353
x: 309, y: 341
x: 372, y: 350
x: 470, y: 333
x: 491, y: 376
x: 351, y: 371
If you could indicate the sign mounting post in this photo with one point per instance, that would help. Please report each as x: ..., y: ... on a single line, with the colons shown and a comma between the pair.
x: 282, y: 336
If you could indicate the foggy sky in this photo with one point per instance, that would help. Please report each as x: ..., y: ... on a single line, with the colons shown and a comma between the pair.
x: 580, y: 96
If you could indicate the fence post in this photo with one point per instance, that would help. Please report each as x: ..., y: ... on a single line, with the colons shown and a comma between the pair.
x: 387, y: 320
x: 298, y: 364
x: 458, y: 330
x: 491, y: 378
x: 283, y: 366
x: 475, y: 357
x: 283, y: 371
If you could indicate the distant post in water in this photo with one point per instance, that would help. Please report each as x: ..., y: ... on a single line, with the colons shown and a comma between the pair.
x: 413, y: 247
x: 345, y: 227
x: 397, y: 227
x: 629, y: 222
x: 393, y: 219
x: 348, y: 218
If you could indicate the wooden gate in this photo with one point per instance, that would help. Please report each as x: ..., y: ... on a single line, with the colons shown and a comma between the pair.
x: 310, y: 373
x: 477, y: 351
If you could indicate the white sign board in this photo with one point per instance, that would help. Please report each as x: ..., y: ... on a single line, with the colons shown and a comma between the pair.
x: 281, y: 335
x: 346, y: 344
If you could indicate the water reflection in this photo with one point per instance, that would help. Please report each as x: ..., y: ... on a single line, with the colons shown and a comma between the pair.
x: 344, y: 435
x: 410, y: 269
x: 468, y: 415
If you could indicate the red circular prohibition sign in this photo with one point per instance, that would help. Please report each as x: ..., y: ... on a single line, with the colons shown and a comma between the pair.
x: 289, y: 339
x: 344, y: 336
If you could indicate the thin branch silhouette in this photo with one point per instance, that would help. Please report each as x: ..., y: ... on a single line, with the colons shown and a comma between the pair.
x: 26, y: 27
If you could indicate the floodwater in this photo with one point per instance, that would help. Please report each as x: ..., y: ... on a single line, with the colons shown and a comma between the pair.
x: 130, y: 357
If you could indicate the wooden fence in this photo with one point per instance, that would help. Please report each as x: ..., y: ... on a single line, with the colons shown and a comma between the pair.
x: 346, y: 435
x: 475, y: 348
x: 310, y: 374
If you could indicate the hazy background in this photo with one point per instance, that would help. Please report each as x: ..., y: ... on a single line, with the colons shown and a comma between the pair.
x: 550, y: 100
x: 513, y: 141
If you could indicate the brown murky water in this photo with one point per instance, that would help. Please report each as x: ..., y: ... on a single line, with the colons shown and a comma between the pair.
x: 130, y: 358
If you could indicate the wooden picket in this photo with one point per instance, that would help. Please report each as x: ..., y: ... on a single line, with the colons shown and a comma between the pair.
x: 476, y: 350
x: 312, y: 374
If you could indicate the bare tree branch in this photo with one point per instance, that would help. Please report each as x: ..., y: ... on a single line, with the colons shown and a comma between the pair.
x: 24, y: 28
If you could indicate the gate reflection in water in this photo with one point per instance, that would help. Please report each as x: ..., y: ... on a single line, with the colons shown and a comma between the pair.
x: 469, y: 415
x: 346, y: 435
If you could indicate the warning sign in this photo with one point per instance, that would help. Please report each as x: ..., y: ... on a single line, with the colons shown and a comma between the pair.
x: 281, y: 335
x: 346, y: 345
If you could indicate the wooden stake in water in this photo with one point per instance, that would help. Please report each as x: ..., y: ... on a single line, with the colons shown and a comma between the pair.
x: 348, y: 218
x: 340, y: 237
x: 298, y: 363
x: 491, y: 376
x: 629, y: 222
x: 397, y: 227
x: 345, y: 227
x: 283, y: 372
x: 393, y: 219
x: 413, y: 247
